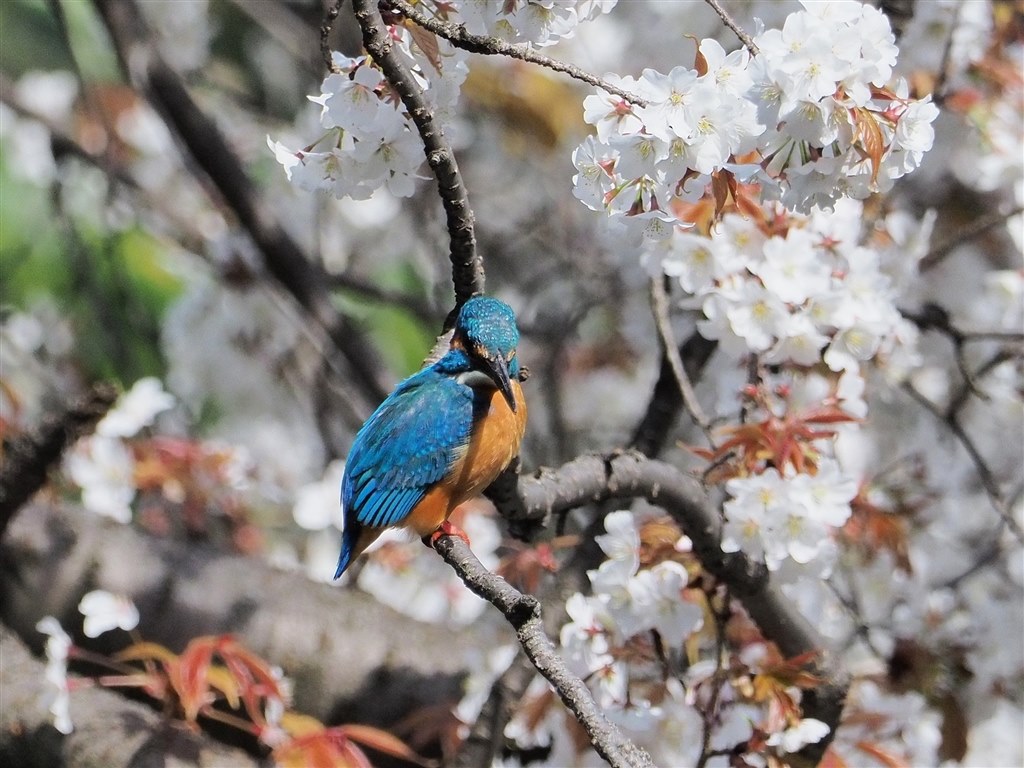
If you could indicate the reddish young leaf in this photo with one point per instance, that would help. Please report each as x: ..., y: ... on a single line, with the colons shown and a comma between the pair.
x: 872, y: 142
x: 384, y: 742
x: 426, y: 41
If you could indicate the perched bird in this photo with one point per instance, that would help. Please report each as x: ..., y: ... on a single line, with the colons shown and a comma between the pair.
x: 441, y: 437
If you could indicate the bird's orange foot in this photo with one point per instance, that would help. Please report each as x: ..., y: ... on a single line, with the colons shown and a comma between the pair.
x: 447, y: 528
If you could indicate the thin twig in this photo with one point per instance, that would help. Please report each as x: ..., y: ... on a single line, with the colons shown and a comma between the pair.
x: 728, y: 20
x: 457, y: 35
x: 964, y: 393
x: 523, y: 613
x: 659, y: 307
x: 28, y: 458
x: 939, y: 90
x: 88, y: 95
x: 467, y: 266
x: 988, y: 480
x: 651, y: 434
x: 976, y: 228
x: 933, y: 317
x: 61, y: 142
x: 709, y: 713
x: 414, y: 305
x: 285, y: 27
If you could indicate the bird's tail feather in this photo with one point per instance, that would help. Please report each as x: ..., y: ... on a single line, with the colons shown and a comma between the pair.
x: 349, y: 547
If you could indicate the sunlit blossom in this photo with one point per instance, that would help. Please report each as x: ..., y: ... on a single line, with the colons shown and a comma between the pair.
x: 104, y: 611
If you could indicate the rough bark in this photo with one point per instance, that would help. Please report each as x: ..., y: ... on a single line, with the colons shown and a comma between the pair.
x: 349, y: 656
x: 28, y: 458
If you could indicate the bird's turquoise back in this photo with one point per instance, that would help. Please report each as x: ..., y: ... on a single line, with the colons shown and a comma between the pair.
x: 402, y: 450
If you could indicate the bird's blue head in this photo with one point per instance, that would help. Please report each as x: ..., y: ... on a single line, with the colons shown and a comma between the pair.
x: 485, y: 330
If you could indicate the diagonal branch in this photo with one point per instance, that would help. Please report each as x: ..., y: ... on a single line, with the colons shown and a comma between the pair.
x: 666, y: 401
x: 965, y: 234
x: 659, y: 306
x: 981, y: 467
x: 736, y: 28
x: 457, y: 35
x: 28, y: 458
x: 325, y: 34
x: 523, y: 613
x: 467, y: 266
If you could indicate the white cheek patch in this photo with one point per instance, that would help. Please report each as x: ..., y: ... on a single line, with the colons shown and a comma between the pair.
x: 476, y: 379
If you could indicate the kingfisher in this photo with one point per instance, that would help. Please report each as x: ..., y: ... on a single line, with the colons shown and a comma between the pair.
x: 441, y: 437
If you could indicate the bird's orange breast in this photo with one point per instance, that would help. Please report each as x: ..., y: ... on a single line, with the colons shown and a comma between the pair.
x: 493, y: 443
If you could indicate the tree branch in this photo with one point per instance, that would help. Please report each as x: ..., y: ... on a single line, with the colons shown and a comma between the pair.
x: 666, y: 401
x: 457, y: 35
x: 984, y: 472
x: 523, y: 613
x: 630, y: 475
x: 659, y: 307
x: 467, y: 266
x: 325, y: 33
x: 28, y: 458
x: 350, y: 658
x: 965, y: 234
x: 736, y: 28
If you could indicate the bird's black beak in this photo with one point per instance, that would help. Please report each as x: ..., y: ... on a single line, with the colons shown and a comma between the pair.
x: 497, y: 369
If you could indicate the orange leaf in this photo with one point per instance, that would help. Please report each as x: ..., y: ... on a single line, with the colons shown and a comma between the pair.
x: 299, y: 725
x: 885, y: 758
x: 869, y: 132
x: 831, y: 759
x: 189, y: 676
x: 426, y: 41
x: 700, y: 64
x: 221, y: 679
x: 720, y: 190
x: 382, y: 741
x: 146, y: 652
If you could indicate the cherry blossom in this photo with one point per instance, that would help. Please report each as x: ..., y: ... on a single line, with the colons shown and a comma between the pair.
x: 104, y: 611
x: 58, y: 643
x: 136, y: 409
x: 103, y: 468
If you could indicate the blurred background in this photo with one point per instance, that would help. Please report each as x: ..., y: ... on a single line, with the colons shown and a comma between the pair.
x: 147, y: 233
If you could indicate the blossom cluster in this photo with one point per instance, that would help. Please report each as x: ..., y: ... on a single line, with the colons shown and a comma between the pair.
x: 102, y: 465
x: 627, y: 636
x: 798, y: 290
x: 119, y: 470
x: 538, y: 22
x: 775, y: 516
x: 811, y: 118
x: 370, y: 140
x: 626, y: 601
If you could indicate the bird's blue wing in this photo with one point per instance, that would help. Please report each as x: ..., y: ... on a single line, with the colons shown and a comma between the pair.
x: 405, y: 447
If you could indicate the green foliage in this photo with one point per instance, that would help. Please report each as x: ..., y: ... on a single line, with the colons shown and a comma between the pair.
x: 29, y: 27
x: 112, y: 285
x: 399, y: 335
